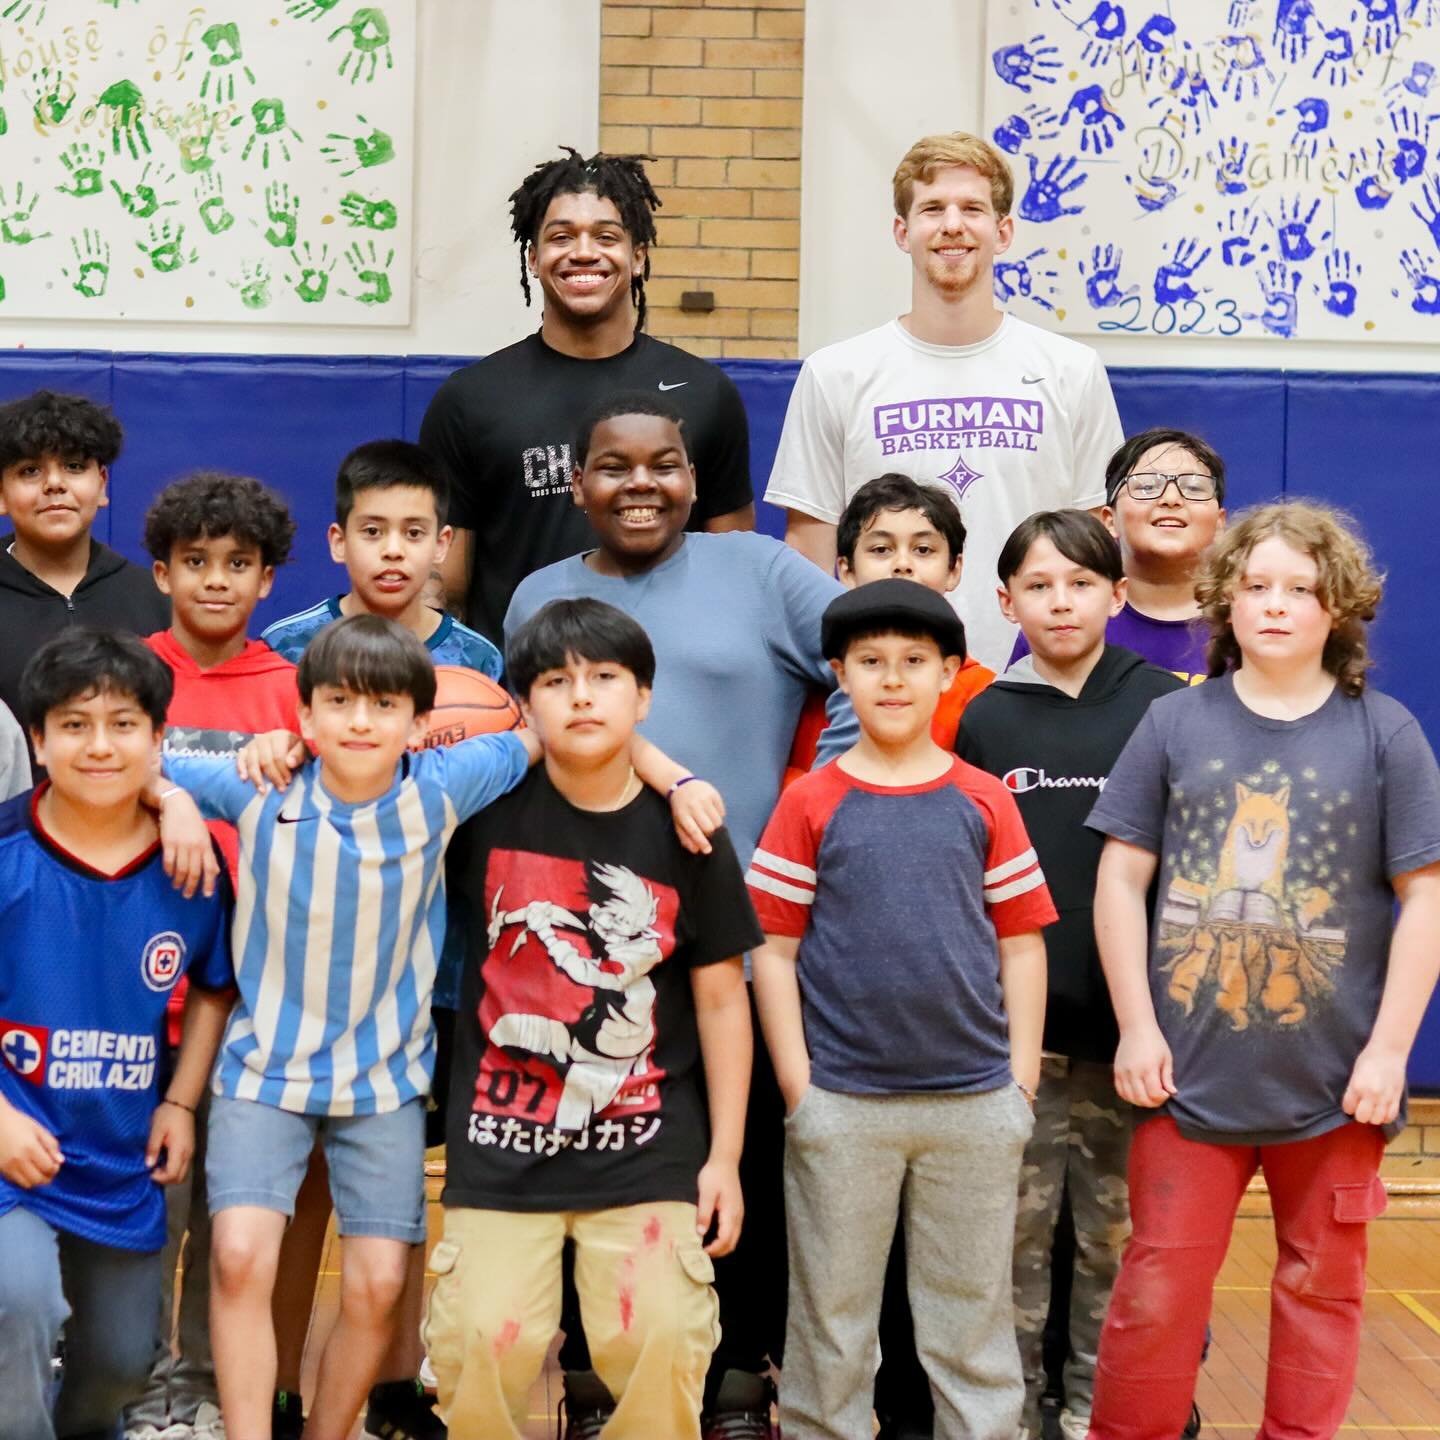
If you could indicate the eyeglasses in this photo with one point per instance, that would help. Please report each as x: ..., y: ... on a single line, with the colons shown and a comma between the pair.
x: 1152, y: 484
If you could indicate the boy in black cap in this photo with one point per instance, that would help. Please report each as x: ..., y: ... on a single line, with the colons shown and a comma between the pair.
x: 901, y: 989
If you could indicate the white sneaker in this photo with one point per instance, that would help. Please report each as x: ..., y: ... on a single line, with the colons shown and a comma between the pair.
x: 175, y: 1430
x: 427, y: 1375
x: 145, y: 1431
x: 1074, y: 1427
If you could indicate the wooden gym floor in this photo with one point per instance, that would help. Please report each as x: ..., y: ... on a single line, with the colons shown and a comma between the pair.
x: 1397, y: 1396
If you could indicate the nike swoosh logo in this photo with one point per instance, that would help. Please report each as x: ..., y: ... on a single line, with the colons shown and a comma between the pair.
x: 1031, y: 379
x: 294, y: 819
x: 675, y: 386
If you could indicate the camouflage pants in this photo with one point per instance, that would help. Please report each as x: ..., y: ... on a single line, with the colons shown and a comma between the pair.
x: 1082, y: 1134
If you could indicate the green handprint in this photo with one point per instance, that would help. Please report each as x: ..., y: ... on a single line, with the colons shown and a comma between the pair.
x: 55, y: 96
x: 92, y: 265
x: 253, y: 285
x: 15, y: 224
x: 310, y: 9
x: 371, y: 272
x: 313, y: 282
x: 269, y: 118
x: 166, y: 248
x: 223, y: 43
x: 83, y: 162
x: 126, y: 101
x: 369, y: 33
x: 372, y: 214
x: 359, y: 152
x: 213, y: 214
x: 2, y: 289
x: 18, y: 10
x: 195, y: 157
x: 284, y: 213
x: 143, y: 201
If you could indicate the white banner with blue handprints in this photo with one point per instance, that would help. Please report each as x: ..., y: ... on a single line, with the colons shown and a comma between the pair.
x: 1221, y: 167
x: 163, y: 160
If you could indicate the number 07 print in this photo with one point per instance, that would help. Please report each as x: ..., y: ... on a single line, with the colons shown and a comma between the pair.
x: 1265, y: 169
x: 166, y: 160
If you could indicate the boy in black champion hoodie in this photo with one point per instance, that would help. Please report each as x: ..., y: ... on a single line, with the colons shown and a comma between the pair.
x: 1050, y: 727
x: 55, y: 458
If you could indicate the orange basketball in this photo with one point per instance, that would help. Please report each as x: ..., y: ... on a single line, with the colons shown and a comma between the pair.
x: 466, y: 703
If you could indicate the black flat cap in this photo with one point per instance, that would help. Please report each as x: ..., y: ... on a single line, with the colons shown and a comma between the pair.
x: 907, y: 605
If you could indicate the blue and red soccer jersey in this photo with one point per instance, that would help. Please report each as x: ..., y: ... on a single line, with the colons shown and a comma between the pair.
x: 899, y: 896
x: 87, y: 964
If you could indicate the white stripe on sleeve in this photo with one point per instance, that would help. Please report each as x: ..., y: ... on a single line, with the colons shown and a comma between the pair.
x: 1032, y: 881
x: 781, y: 866
x: 758, y: 880
x: 1011, y: 867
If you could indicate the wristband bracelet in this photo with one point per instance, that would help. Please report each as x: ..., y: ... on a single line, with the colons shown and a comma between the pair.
x: 683, y: 780
x: 179, y: 1105
x: 1027, y: 1092
x: 166, y: 794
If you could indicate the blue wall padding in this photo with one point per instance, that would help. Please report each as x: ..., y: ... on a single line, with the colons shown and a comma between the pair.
x: 1368, y: 442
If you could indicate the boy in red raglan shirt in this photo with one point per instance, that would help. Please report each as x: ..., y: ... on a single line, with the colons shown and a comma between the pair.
x: 215, y: 540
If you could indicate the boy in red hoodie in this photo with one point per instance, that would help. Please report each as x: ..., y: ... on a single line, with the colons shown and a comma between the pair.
x: 215, y: 540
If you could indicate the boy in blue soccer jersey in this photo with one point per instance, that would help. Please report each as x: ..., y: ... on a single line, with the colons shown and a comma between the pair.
x: 339, y: 926
x: 93, y: 938
x: 390, y: 535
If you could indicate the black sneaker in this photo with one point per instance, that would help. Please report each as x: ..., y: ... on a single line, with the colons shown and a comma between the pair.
x: 1192, y: 1425
x: 743, y: 1409
x: 287, y: 1418
x: 401, y: 1410
x: 586, y: 1406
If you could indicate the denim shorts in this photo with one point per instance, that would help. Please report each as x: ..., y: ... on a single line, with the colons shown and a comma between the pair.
x: 258, y: 1155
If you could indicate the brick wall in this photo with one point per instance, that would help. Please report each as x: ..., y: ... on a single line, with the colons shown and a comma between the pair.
x: 711, y: 88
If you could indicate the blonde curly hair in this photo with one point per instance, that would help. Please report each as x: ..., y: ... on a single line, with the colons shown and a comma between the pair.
x: 1349, y: 584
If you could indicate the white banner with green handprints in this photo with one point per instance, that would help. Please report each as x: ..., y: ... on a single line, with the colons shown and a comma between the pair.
x: 163, y: 160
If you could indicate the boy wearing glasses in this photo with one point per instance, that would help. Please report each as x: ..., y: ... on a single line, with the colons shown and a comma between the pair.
x: 1165, y: 503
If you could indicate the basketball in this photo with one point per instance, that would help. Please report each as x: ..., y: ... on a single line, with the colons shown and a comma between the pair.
x: 466, y: 703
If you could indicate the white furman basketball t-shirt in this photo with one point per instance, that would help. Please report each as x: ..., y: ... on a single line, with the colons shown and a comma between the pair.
x: 1023, y: 421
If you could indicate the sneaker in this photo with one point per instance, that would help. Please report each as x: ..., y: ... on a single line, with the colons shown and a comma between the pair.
x: 1074, y: 1427
x: 743, y: 1409
x: 1192, y: 1425
x: 176, y: 1430
x: 143, y: 1431
x: 287, y: 1417
x: 585, y: 1408
x: 401, y: 1410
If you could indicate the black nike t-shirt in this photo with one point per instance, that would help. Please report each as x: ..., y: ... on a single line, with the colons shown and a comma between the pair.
x: 576, y: 1082
x: 504, y: 429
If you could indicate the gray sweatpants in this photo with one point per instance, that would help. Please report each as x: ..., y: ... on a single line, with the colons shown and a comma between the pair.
x: 950, y: 1165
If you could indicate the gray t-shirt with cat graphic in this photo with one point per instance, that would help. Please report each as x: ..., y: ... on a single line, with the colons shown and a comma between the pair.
x: 1277, y: 840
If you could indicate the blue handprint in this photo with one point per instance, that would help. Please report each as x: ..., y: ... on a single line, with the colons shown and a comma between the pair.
x: 1187, y: 103
x: 1096, y: 119
x: 1418, y: 82
x: 1044, y: 197
x: 1426, y: 299
x: 1244, y: 63
x: 1371, y: 193
x: 1017, y: 279
x: 1229, y: 159
x: 1412, y: 141
x: 1292, y: 231
x: 1035, y: 123
x: 1105, y: 25
x: 1151, y: 192
x: 1423, y: 10
x: 1240, y: 12
x: 1017, y: 65
x: 1312, y: 116
x: 1278, y: 288
x: 1172, y: 279
x: 1382, y: 25
x: 1339, y: 293
x: 1237, y: 244
x: 1145, y: 52
x: 1335, y: 59
x: 1292, y: 27
x: 1430, y: 215
x: 1102, y: 280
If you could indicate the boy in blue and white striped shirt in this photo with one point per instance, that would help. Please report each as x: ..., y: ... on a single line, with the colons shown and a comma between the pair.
x: 339, y: 925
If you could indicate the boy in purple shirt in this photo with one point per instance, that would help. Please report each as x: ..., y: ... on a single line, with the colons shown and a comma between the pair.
x: 1165, y: 502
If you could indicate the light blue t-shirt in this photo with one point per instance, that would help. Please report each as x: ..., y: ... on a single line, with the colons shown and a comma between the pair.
x: 451, y: 644
x: 339, y: 924
x: 735, y: 622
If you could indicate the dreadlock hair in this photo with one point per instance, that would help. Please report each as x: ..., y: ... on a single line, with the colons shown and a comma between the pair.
x: 621, y: 179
